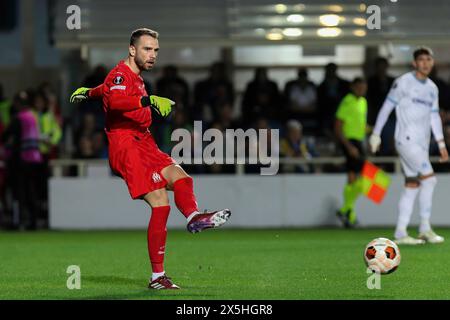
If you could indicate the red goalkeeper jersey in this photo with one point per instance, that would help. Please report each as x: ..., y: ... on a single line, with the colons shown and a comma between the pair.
x: 133, y: 153
x: 122, y: 91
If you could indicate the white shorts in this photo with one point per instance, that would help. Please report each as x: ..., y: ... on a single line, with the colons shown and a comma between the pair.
x: 415, y: 160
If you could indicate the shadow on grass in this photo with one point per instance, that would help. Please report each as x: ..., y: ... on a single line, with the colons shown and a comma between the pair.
x: 142, y: 292
x: 148, y: 294
x: 114, y: 280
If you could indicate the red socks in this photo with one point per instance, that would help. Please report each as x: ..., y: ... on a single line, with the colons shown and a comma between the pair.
x: 156, y: 237
x: 157, y: 232
x: 183, y: 190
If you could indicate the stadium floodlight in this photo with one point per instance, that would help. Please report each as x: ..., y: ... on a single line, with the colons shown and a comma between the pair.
x: 359, y: 32
x: 329, y: 32
x: 360, y: 21
x: 292, y: 32
x: 330, y: 20
x: 295, y: 18
x: 280, y: 8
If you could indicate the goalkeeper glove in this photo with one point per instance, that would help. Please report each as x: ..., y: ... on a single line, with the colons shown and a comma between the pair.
x: 374, y: 142
x: 79, y: 95
x: 162, y: 105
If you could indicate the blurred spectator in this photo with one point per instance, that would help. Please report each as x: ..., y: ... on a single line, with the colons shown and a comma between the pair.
x: 223, y: 122
x: 225, y: 117
x: 253, y: 148
x: 5, y: 109
x: 301, y: 99
x: 172, y: 86
x: 95, y: 106
x: 96, y: 147
x: 329, y: 94
x: 211, y: 92
x: 217, y: 168
x: 46, y: 88
x: 294, y: 145
x: 444, y: 96
x: 179, y: 121
x: 379, y: 85
x: 21, y: 138
x: 148, y: 87
x: 444, y: 91
x: 53, y: 107
x: 99, y: 145
x: 263, y: 123
x: 261, y: 98
x: 11, y: 169
x: 49, y: 128
x: 97, y: 76
x: 87, y: 128
x: 49, y: 137
x: 85, y: 148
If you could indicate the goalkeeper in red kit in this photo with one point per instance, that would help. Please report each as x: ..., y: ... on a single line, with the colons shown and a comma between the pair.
x: 134, y: 156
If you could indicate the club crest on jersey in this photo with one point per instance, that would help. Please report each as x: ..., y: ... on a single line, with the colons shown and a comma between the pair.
x: 156, y: 177
x: 118, y: 80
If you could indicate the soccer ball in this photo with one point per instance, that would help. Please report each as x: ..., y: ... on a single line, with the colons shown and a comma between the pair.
x: 382, y: 256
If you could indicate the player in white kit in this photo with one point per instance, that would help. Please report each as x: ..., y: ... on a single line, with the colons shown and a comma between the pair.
x: 415, y: 99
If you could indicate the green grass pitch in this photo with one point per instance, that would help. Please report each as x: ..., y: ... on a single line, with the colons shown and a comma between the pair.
x: 289, y: 264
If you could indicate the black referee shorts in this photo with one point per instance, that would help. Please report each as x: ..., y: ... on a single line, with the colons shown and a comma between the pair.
x: 354, y: 164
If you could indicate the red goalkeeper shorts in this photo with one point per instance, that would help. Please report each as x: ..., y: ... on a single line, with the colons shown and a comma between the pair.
x: 135, y: 157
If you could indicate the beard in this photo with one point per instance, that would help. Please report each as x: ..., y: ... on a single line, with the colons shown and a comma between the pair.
x: 141, y: 64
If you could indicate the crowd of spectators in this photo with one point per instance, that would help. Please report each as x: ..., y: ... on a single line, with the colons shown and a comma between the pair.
x: 30, y: 134
x: 213, y: 101
x: 303, y: 111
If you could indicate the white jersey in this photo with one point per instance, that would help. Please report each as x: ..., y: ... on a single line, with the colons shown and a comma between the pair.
x: 415, y: 102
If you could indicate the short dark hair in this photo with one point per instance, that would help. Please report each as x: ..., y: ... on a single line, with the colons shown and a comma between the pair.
x: 22, y: 99
x: 422, y: 51
x: 302, y: 72
x: 381, y: 60
x: 136, y: 34
x: 358, y: 80
x: 39, y: 94
x: 331, y: 66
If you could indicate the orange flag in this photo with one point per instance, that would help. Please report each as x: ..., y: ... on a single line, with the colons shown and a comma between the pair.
x: 375, y: 182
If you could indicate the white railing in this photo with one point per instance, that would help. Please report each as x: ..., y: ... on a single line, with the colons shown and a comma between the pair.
x: 83, y: 164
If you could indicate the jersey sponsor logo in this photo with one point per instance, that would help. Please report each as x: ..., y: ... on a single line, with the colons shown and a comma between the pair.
x: 424, y: 102
x: 156, y: 177
x: 118, y: 88
x: 118, y: 80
